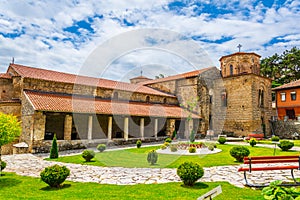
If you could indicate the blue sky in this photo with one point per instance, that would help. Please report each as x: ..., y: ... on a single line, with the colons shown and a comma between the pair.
x: 60, y: 35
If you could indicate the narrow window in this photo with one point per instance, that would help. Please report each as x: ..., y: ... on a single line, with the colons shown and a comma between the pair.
x: 147, y: 99
x: 210, y: 99
x: 262, y: 98
x: 231, y: 70
x: 116, y: 95
x: 282, y: 96
x: 165, y: 100
x: 224, y: 99
x: 293, y: 96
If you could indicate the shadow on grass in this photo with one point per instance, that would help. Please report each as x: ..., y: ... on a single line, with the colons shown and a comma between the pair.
x: 197, y: 186
x: 6, y: 181
x: 48, y: 188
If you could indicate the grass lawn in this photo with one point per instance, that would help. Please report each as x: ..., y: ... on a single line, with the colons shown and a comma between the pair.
x: 14, y: 187
x: 296, y: 142
x: 138, y: 157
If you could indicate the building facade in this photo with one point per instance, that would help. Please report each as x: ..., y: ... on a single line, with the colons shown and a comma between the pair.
x: 83, y: 110
x: 287, y: 100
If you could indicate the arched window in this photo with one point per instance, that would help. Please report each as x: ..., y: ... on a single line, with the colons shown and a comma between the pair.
x: 116, y: 95
x: 147, y: 99
x: 224, y: 99
x: 165, y: 100
x: 261, y: 98
x: 231, y: 69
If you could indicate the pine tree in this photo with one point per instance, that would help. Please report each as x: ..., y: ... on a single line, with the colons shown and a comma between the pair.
x: 54, y: 149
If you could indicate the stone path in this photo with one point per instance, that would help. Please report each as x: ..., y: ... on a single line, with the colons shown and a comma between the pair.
x: 32, y: 165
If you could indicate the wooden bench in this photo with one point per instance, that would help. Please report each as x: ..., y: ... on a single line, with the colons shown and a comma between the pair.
x: 278, y: 160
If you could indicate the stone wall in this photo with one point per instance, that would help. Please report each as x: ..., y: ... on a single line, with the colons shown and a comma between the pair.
x: 6, y: 89
x: 244, y: 114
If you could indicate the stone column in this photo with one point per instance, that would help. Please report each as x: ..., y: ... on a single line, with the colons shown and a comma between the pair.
x: 126, y: 128
x: 155, y: 127
x: 68, y: 127
x: 90, y: 127
x: 109, y: 131
x: 142, y: 128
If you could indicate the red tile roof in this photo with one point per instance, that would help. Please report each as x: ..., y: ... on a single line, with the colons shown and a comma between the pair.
x: 239, y: 53
x: 5, y: 75
x: 288, y: 85
x: 178, y: 76
x: 43, y: 74
x: 66, y: 103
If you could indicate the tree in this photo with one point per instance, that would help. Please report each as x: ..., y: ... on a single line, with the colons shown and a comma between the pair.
x: 10, y: 128
x: 54, y: 149
x: 282, y: 68
x: 160, y: 76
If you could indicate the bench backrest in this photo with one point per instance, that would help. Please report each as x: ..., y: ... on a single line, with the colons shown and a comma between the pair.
x: 271, y: 159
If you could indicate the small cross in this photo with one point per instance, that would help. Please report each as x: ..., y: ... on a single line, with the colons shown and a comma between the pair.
x: 141, y: 72
x: 239, y: 46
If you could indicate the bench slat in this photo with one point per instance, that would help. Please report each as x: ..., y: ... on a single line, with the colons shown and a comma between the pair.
x: 271, y: 161
x: 270, y: 157
x: 267, y: 168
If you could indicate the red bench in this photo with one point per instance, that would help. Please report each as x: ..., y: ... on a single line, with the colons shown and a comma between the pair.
x: 251, y: 161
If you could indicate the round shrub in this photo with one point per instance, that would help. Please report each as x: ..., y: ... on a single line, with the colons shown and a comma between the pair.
x: 189, y: 173
x: 285, y: 145
x: 239, y: 152
x: 192, y: 149
x: 222, y: 140
x: 101, y: 147
x: 211, y: 147
x: 88, y: 155
x: 138, y: 143
x: 169, y: 140
x: 152, y: 157
x: 163, y: 147
x: 275, y: 139
x: 167, y: 144
x: 55, y: 175
x: 3, y: 165
x: 252, y: 142
x: 173, y: 148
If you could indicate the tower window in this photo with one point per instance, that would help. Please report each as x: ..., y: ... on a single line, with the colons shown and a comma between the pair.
x: 231, y: 69
x: 224, y: 99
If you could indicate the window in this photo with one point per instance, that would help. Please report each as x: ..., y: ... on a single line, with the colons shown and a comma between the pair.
x: 293, y: 96
x: 282, y: 96
x: 224, y: 99
x: 261, y: 98
x: 147, y: 99
x: 231, y: 70
x: 210, y: 99
x: 165, y: 100
x: 115, y: 95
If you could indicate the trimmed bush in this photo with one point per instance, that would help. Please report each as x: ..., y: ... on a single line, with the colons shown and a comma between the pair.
x: 101, y: 147
x: 285, y: 145
x: 192, y: 136
x: 173, y: 148
x: 138, y: 143
x: 169, y: 140
x: 211, y: 147
x: 222, y: 140
x: 252, y: 142
x: 152, y: 157
x: 88, y: 155
x: 192, y: 149
x: 167, y: 144
x: 3, y: 165
x: 54, y: 149
x: 189, y: 173
x: 275, y: 139
x: 239, y: 152
x: 163, y: 147
x: 55, y: 175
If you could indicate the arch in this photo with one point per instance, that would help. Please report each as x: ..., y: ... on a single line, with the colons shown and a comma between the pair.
x: 147, y: 99
x: 116, y: 95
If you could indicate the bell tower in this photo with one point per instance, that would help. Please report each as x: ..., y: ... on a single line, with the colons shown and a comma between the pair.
x: 240, y: 63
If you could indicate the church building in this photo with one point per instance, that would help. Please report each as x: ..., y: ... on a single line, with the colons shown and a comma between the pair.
x: 82, y: 110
